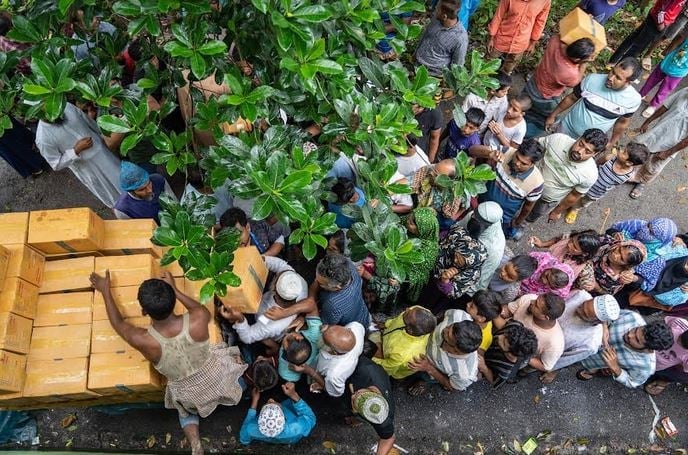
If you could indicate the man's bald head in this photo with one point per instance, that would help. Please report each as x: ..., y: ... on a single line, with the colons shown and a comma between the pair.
x: 446, y: 167
x: 340, y: 338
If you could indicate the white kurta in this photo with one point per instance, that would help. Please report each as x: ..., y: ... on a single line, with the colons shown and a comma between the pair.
x: 97, y: 168
x: 581, y: 339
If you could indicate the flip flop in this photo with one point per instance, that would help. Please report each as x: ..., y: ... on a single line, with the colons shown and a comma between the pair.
x: 584, y: 375
x: 654, y: 388
x: 647, y: 63
x: 637, y: 191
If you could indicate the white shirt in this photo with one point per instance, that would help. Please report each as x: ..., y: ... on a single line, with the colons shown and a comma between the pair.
x: 581, y: 339
x: 337, y: 368
x: 493, y: 109
x: 672, y: 126
x: 514, y: 133
x: 562, y: 175
x: 265, y: 328
x: 407, y: 165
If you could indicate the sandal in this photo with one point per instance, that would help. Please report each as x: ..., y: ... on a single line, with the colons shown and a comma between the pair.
x: 584, y: 375
x: 637, y: 191
x: 656, y: 387
x: 571, y: 216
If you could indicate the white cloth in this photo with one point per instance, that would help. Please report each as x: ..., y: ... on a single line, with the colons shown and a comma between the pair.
x: 407, y: 165
x: 337, y: 368
x: 493, y: 109
x: 221, y: 195
x: 400, y: 199
x: 264, y: 327
x: 96, y: 167
x: 562, y: 175
x: 672, y: 126
x: 581, y: 339
x: 493, y: 240
x: 514, y: 133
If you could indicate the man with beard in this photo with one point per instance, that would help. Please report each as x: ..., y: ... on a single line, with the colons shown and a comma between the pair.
x: 518, y: 185
x: 141, y: 197
x: 568, y: 169
x: 601, y: 101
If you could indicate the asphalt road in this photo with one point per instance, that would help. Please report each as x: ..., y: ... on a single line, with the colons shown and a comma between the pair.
x: 598, y: 416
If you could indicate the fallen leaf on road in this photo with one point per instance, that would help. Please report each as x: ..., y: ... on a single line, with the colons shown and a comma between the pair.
x: 151, y: 441
x: 69, y: 442
x: 681, y: 188
x: 168, y: 438
x: 536, y: 399
x: 445, y: 446
x: 479, y: 449
x: 68, y: 420
x: 330, y: 446
x: 517, y: 446
x: 72, y: 428
x: 206, y: 440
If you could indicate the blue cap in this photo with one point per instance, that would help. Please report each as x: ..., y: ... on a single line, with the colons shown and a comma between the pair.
x: 132, y: 177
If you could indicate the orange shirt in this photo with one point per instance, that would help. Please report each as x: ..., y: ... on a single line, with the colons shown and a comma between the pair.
x: 517, y: 22
x: 555, y: 72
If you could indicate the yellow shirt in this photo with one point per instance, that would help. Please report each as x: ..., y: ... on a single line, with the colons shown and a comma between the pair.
x: 399, y: 348
x: 487, y: 336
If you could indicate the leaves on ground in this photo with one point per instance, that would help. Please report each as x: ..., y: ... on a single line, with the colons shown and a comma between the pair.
x: 151, y: 441
x: 330, y: 446
x: 68, y: 420
x: 168, y: 438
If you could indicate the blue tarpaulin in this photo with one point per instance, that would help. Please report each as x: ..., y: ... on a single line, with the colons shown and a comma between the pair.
x: 16, y: 426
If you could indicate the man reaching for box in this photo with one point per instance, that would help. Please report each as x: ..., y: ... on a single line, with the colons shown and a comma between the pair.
x: 199, y: 376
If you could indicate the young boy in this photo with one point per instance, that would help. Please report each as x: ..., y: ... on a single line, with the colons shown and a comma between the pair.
x: 613, y: 172
x: 495, y: 105
x: 601, y: 10
x: 461, y: 138
x: 509, y: 130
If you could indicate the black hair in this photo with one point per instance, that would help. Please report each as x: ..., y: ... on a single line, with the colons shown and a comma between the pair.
x: 635, y: 256
x: 475, y: 116
x: 554, y: 305
x: 596, y: 137
x: 487, y: 303
x: 468, y: 336
x: 156, y: 298
x: 265, y: 375
x: 411, y: 140
x: 531, y: 149
x: 658, y: 336
x: 339, y: 240
x: 5, y: 24
x: 683, y: 339
x: 135, y: 50
x: 505, y: 80
x: 589, y: 242
x: 344, y: 190
x: 633, y: 64
x: 335, y: 268
x: 449, y: 7
x: 581, y: 49
x: 195, y: 178
x: 524, y: 101
x: 522, y: 341
x: 298, y: 351
x: 233, y: 216
x: 525, y: 265
x: 423, y: 322
x: 637, y: 153
x: 558, y: 278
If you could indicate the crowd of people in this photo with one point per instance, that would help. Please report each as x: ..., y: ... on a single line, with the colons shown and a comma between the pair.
x: 471, y: 310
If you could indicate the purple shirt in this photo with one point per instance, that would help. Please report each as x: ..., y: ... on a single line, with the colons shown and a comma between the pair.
x: 600, y: 10
x: 677, y: 354
x: 457, y: 142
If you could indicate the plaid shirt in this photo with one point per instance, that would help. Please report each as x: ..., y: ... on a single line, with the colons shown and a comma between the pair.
x: 636, y: 367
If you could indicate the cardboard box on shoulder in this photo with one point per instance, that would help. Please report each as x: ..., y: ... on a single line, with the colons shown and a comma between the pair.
x: 14, y: 227
x: 25, y: 263
x: 12, y: 372
x: 130, y: 237
x: 578, y: 24
x: 104, y: 339
x: 250, y: 267
x: 61, y: 342
x: 129, y: 270
x: 65, y: 230
x: 70, y: 308
x: 122, y: 373
x: 67, y: 275
x: 5, y: 256
x: 57, y: 380
x: 19, y: 297
x: 15, y: 333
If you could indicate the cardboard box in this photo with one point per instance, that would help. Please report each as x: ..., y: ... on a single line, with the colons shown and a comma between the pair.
x: 175, y: 269
x: 19, y: 297
x: 14, y: 227
x: 126, y: 300
x: 104, y: 339
x: 129, y: 270
x: 64, y: 309
x: 57, y: 380
x: 67, y: 275
x: 15, y: 400
x: 15, y: 333
x: 80, y: 254
x: 25, y: 263
x: 122, y: 373
x: 65, y: 230
x: 61, y: 342
x: 130, y: 237
x: 12, y: 371
x: 578, y: 24
x: 250, y: 267
x: 5, y: 256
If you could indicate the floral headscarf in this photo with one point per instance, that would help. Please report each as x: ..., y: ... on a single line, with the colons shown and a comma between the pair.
x: 428, y: 233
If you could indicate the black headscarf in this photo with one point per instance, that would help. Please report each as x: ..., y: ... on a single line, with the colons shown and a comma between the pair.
x: 673, y: 276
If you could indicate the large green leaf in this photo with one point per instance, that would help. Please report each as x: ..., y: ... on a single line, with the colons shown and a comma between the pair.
x: 312, y: 13
x: 113, y: 124
x: 213, y: 48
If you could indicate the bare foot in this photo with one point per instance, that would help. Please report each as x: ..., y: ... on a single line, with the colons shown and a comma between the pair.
x: 417, y: 388
x: 549, y: 377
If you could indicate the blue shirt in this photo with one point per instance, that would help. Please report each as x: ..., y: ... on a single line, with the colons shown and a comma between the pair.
x: 342, y: 220
x: 676, y: 63
x: 600, y: 10
x: 299, y: 420
x: 457, y: 142
x: 346, y: 305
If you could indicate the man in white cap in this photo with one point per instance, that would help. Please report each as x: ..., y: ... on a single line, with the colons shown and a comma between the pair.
x: 278, y: 423
x: 584, y: 323
x: 287, y: 288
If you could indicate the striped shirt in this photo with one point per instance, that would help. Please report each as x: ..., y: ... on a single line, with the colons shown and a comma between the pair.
x: 636, y: 366
x: 462, y: 370
x: 346, y: 305
x: 502, y: 368
x: 606, y: 180
x: 510, y: 189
